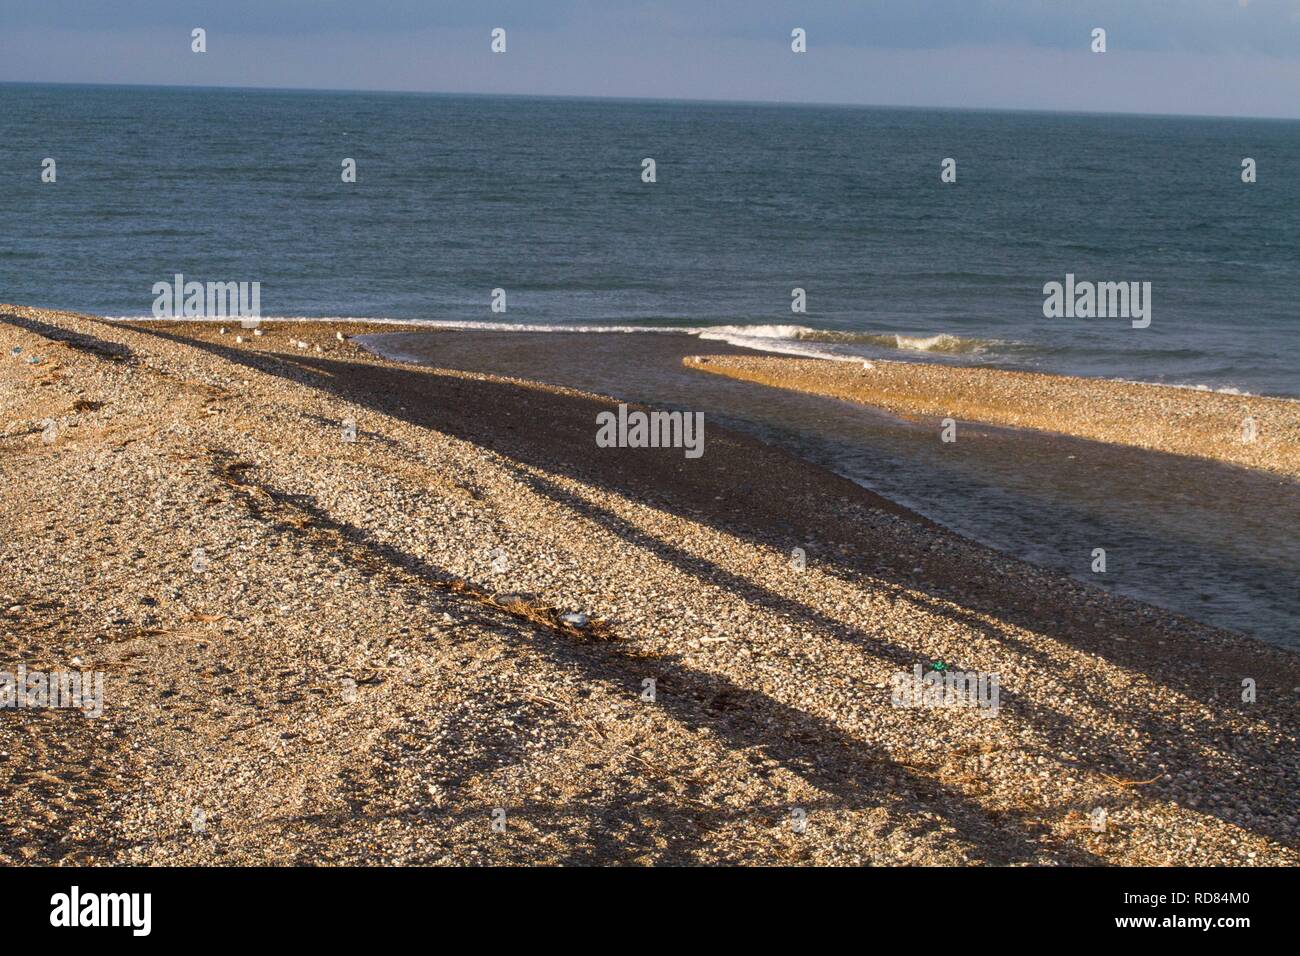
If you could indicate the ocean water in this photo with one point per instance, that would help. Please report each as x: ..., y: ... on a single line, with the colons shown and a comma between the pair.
x: 458, y: 195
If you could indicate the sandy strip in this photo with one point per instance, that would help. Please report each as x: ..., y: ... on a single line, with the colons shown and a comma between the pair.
x: 1179, y: 421
x: 371, y: 664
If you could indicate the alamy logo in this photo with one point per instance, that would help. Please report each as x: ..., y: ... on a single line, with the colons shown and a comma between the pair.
x: 1102, y: 300
x: 208, y: 300
x: 103, y: 909
x: 37, y: 690
x: 651, y: 430
x: 942, y: 687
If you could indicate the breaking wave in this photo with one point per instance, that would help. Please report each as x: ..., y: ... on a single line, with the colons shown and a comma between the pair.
x: 751, y: 336
x: 941, y: 342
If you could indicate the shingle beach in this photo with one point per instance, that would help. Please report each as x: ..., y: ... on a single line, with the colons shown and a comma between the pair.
x: 470, y: 636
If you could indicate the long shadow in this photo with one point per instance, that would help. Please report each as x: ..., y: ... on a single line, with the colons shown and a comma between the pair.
x: 82, y: 342
x: 1052, y: 723
x: 858, y: 774
x: 454, y: 405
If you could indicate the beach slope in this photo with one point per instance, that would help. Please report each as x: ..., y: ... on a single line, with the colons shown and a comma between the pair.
x: 471, y: 636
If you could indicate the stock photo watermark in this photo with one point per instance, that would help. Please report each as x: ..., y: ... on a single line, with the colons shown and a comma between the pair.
x: 76, y: 909
x: 1101, y: 300
x: 944, y: 687
x: 207, y: 300
x: 23, y: 689
x: 638, y: 429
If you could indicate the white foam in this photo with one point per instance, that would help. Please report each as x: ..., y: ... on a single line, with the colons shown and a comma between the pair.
x: 941, y: 341
x: 420, y: 323
x: 1220, y: 389
x: 758, y: 331
x: 775, y: 344
x: 778, y: 339
x: 935, y: 343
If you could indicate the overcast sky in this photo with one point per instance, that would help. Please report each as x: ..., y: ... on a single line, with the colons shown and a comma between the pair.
x: 1220, y: 57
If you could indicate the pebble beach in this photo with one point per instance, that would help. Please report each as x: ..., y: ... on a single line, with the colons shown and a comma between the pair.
x: 1252, y: 431
x: 435, y: 624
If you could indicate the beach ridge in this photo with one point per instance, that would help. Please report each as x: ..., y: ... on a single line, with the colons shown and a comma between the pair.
x: 1251, y: 431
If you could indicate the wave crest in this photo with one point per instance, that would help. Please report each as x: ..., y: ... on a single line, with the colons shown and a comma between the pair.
x: 941, y: 342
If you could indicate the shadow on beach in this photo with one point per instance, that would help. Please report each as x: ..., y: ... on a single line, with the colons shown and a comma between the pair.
x: 547, y: 437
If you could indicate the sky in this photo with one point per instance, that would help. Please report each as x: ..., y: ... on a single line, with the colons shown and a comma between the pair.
x: 1208, y: 57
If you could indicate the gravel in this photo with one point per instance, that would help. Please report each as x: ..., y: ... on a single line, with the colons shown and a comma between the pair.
x: 375, y: 663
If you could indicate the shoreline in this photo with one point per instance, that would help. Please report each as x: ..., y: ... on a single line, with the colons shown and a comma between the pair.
x: 711, y: 335
x: 376, y: 562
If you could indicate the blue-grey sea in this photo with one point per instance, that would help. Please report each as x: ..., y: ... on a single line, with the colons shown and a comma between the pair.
x: 458, y: 195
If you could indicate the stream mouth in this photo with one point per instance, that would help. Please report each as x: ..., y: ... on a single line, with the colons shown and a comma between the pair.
x: 1211, y: 541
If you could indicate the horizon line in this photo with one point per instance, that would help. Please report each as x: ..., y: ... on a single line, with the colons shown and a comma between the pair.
x: 649, y: 99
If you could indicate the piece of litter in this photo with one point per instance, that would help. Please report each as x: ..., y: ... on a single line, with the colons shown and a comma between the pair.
x: 576, y: 618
